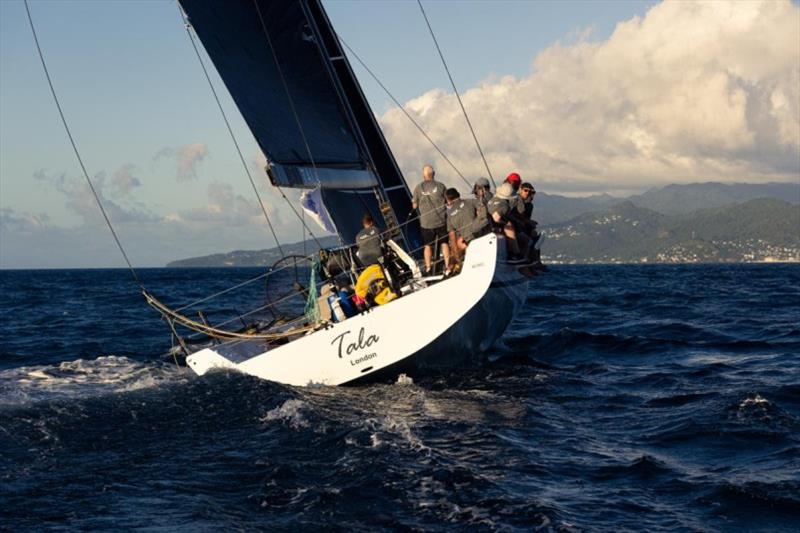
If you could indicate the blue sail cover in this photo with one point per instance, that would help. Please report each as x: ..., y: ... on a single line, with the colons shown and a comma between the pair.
x: 348, y: 154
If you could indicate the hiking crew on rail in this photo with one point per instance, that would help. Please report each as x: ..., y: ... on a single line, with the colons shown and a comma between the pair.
x: 449, y: 222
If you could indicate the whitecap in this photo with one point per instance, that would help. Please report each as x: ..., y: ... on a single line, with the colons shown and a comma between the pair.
x: 754, y: 400
x: 290, y: 412
x: 82, y: 378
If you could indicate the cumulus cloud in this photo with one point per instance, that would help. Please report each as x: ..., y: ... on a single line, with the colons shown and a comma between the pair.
x: 80, y: 200
x: 12, y: 220
x: 186, y: 158
x: 123, y: 181
x: 225, y: 207
x: 691, y: 91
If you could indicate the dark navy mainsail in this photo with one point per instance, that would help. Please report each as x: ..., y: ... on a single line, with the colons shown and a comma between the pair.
x: 284, y: 68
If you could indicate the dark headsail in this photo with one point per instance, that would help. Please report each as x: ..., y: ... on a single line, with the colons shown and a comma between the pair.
x: 284, y: 68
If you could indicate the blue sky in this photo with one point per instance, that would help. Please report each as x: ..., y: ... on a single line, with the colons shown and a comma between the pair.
x: 130, y: 85
x: 131, y: 89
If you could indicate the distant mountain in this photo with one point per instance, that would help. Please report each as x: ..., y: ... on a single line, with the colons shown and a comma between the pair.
x: 249, y: 258
x: 683, y: 199
x: 758, y: 230
x: 669, y: 200
x: 690, y: 221
x: 553, y: 208
x: 622, y: 230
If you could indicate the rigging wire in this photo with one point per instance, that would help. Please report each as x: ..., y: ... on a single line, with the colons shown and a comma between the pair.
x: 187, y: 25
x: 403, y: 109
x: 269, y: 305
x: 77, y: 153
x: 297, y: 120
x: 455, y: 90
x: 275, y: 271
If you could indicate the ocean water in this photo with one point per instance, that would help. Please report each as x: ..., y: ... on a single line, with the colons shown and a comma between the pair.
x: 622, y: 398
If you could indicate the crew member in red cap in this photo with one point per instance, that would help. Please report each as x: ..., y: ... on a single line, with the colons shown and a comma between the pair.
x: 514, y: 180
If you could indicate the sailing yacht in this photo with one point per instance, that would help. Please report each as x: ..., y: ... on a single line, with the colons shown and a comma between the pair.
x: 285, y: 69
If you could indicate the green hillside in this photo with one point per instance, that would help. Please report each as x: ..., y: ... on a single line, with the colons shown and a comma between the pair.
x: 757, y: 230
x: 253, y: 258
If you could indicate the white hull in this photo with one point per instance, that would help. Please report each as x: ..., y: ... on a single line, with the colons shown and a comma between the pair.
x: 443, y: 325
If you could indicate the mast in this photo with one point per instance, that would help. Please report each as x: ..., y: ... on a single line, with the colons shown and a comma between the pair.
x: 285, y: 69
x: 392, y: 184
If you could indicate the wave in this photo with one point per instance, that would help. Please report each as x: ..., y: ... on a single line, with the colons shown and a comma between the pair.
x: 756, y: 410
x: 638, y: 341
x: 83, y: 378
x: 749, y: 419
x: 678, y: 400
x: 643, y: 467
x: 756, y: 501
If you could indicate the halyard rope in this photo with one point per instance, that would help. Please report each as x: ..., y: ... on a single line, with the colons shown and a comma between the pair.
x: 297, y: 121
x: 403, y: 109
x: 77, y: 153
x: 455, y: 90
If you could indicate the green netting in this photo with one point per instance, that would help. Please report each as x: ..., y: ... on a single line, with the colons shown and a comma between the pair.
x: 312, y: 307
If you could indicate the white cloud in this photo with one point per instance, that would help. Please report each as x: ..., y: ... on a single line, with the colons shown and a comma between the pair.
x: 187, y: 158
x: 692, y: 91
x: 123, y: 181
x: 228, y: 219
x: 224, y: 206
x: 12, y: 220
x: 80, y: 200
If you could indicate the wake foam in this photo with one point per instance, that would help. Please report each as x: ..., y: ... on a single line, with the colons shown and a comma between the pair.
x: 82, y: 378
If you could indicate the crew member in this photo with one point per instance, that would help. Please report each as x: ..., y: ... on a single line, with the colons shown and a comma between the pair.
x: 482, y: 190
x: 483, y: 194
x: 525, y: 214
x: 461, y: 215
x: 522, y: 226
x: 499, y: 208
x: 429, y: 199
x: 525, y: 203
x: 523, y: 217
x: 368, y: 242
